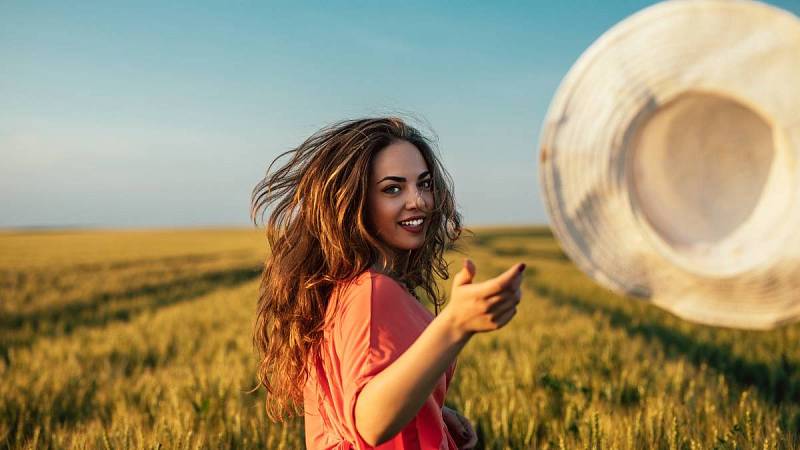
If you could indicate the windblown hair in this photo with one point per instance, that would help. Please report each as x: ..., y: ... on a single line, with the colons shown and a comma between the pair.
x: 319, y: 234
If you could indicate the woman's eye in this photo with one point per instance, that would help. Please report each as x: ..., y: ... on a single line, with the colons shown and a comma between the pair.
x: 427, y: 185
x: 391, y: 190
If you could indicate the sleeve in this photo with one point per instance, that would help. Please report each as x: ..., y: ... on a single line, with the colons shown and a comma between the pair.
x: 352, y: 342
x: 371, y: 337
x: 449, y: 374
x: 314, y: 431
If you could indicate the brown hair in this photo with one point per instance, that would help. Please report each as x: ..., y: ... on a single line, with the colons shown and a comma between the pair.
x: 319, y: 234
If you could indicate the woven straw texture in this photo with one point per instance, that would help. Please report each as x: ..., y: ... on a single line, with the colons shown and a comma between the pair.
x: 669, y: 161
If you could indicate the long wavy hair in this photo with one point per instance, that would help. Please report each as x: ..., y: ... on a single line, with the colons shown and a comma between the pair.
x: 320, y: 234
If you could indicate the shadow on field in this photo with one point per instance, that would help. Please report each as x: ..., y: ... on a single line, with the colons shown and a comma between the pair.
x: 104, y: 307
x: 169, y: 260
x: 552, y: 255
x: 487, y: 237
x: 773, y: 382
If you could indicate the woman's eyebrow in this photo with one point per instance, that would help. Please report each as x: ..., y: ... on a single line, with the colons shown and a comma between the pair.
x: 403, y: 179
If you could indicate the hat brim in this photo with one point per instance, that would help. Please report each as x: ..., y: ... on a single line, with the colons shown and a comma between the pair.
x: 741, y: 52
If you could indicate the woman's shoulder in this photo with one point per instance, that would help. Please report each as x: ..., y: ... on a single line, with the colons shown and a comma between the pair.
x: 368, y: 291
x: 374, y: 311
x: 368, y: 283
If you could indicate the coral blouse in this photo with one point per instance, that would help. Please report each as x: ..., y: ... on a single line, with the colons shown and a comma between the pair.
x: 375, y: 322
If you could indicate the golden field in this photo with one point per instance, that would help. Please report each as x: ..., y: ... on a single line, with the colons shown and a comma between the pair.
x: 142, y: 339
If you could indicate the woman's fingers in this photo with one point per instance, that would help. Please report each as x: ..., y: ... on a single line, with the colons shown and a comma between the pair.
x: 509, y: 306
x: 507, y: 280
x: 460, y: 428
x: 486, y: 306
x: 500, y: 303
x: 503, y: 301
x: 517, y: 281
x: 497, y: 315
x: 473, y: 436
x: 505, y: 316
x: 455, y: 424
x: 469, y: 432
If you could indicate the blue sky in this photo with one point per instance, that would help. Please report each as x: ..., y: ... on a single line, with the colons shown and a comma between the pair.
x: 155, y: 114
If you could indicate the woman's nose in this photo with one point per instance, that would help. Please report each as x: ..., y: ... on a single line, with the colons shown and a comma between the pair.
x: 416, y: 200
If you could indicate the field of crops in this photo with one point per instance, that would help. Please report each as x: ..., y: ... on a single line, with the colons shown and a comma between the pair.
x: 141, y: 339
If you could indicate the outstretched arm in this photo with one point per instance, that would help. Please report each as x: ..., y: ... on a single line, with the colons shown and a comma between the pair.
x: 391, y: 399
x: 394, y: 396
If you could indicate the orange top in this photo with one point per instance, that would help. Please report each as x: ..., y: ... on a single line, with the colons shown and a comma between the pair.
x: 375, y: 322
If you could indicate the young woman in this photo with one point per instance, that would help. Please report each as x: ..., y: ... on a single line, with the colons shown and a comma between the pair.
x: 363, y: 212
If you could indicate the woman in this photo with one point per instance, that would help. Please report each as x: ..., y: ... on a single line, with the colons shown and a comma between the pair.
x: 363, y: 212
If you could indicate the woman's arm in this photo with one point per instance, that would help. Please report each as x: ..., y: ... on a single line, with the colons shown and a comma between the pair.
x: 394, y: 396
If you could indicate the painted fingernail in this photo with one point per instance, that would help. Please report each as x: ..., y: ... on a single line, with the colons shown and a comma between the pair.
x: 522, y: 268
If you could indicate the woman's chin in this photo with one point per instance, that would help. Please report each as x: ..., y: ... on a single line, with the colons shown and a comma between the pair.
x: 406, y: 243
x: 405, y: 247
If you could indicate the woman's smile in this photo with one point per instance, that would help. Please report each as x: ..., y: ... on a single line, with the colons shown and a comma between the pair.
x: 414, y: 225
x: 400, y: 195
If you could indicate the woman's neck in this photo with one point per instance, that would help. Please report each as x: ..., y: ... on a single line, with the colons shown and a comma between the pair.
x: 399, y: 259
x: 379, y: 268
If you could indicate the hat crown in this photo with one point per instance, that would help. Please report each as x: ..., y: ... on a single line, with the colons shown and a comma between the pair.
x: 669, y: 161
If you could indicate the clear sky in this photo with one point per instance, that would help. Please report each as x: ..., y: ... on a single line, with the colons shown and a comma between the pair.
x: 167, y: 114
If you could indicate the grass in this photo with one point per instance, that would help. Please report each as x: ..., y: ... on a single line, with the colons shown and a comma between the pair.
x: 141, y: 339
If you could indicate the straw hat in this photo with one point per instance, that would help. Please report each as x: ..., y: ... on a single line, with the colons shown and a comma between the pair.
x: 669, y: 161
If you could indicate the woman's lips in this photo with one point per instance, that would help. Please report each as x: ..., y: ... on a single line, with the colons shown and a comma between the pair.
x: 414, y: 229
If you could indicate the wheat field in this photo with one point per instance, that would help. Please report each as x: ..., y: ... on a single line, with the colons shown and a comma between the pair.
x: 141, y: 339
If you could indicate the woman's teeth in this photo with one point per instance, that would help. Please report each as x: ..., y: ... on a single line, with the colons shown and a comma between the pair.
x: 412, y: 223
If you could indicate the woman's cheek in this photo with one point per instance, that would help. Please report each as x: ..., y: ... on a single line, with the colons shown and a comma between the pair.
x: 428, y: 201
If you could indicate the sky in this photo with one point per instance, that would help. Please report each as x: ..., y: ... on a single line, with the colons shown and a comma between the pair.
x: 166, y: 114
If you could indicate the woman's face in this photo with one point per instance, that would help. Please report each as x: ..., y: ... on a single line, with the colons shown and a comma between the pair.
x: 400, y: 189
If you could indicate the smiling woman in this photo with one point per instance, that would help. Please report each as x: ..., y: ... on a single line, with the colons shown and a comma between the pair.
x: 364, y: 214
x: 400, y: 192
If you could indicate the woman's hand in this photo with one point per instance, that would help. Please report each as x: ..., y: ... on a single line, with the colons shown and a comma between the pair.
x: 460, y: 429
x: 485, y: 306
